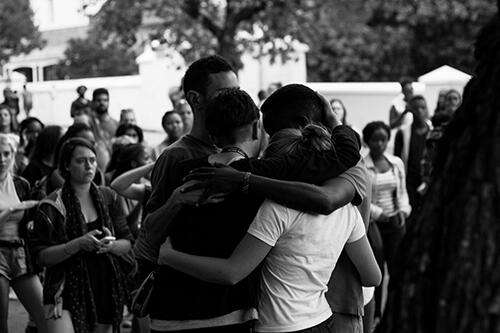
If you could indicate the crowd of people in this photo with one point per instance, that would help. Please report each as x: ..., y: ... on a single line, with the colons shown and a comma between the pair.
x: 271, y: 218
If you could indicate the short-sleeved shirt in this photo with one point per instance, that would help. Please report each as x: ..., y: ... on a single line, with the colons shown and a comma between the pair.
x: 8, y: 199
x: 296, y: 271
x: 344, y: 289
x: 165, y: 178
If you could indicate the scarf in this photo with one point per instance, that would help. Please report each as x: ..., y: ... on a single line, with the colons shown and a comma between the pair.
x: 77, y: 284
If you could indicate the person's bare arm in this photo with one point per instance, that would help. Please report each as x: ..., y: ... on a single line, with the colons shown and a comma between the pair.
x: 53, y: 255
x: 249, y: 253
x: 323, y: 199
x: 125, y: 183
x: 361, y: 254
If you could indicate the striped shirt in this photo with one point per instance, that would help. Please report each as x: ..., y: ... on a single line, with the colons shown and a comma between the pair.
x: 385, y: 185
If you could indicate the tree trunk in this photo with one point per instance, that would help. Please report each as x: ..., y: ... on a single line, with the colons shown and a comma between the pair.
x: 449, y: 262
x: 228, y: 49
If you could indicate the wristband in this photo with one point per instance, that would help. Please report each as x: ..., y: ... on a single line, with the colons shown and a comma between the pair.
x: 246, y: 182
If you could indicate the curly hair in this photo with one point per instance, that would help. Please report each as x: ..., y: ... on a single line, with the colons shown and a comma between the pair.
x: 230, y: 109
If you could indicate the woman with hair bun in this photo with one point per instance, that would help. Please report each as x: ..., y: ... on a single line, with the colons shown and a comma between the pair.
x: 298, y: 251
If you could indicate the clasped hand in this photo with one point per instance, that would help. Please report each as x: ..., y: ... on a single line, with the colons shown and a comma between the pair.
x: 215, y: 182
x: 196, y: 193
x: 90, y: 243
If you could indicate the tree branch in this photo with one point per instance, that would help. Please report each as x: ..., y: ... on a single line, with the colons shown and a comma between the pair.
x: 192, y: 9
x: 247, y: 13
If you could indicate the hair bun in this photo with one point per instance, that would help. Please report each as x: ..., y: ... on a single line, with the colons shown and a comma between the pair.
x: 316, y: 137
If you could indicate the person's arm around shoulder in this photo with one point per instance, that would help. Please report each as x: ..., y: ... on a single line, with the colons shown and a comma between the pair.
x: 324, y: 199
x: 246, y: 257
x: 268, y: 225
x: 361, y: 254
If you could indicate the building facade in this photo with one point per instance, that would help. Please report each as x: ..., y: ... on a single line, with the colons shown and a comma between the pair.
x: 58, y: 21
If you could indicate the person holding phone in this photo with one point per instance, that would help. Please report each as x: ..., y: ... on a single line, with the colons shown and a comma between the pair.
x: 80, y: 235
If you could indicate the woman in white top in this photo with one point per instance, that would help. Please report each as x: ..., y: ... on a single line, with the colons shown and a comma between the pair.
x: 16, y: 270
x: 390, y: 205
x: 298, y: 250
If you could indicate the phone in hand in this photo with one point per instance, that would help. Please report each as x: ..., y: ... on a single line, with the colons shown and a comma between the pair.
x: 108, y: 239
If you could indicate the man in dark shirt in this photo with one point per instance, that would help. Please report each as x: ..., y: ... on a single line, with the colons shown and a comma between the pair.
x: 232, y: 119
x: 202, y: 80
x: 410, y: 148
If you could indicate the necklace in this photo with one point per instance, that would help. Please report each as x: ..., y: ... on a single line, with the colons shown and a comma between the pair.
x: 236, y: 150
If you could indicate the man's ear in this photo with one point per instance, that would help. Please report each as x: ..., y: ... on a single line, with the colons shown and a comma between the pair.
x: 193, y: 99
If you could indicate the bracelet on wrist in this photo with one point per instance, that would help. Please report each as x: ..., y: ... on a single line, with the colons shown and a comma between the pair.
x: 246, y: 182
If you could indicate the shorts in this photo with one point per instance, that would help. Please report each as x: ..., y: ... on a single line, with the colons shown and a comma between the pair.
x: 13, y: 262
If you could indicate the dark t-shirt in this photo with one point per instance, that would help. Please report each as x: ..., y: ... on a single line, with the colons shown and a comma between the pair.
x: 211, y: 230
x: 165, y: 178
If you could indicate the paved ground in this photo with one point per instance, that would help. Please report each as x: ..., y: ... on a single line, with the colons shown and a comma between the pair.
x: 18, y: 318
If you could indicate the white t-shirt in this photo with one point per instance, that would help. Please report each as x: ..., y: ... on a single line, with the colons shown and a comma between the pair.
x: 8, y: 199
x: 296, y: 271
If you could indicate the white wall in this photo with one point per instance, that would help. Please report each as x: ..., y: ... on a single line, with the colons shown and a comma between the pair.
x: 52, y: 99
x: 364, y: 101
x: 146, y: 93
x: 58, y: 14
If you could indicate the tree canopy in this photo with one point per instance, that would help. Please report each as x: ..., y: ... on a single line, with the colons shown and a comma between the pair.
x: 396, y: 38
x: 349, y: 40
x: 18, y: 33
x: 199, y: 27
x: 90, y: 58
